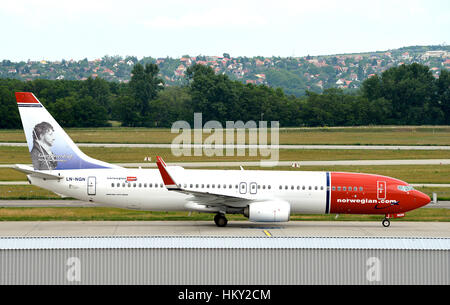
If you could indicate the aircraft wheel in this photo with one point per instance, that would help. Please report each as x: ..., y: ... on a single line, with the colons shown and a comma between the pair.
x: 220, y: 220
x: 386, y: 223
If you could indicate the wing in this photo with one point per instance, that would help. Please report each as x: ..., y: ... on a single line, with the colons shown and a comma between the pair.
x: 200, y: 197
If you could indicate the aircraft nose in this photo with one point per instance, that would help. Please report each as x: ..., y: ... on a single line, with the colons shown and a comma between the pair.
x: 422, y: 199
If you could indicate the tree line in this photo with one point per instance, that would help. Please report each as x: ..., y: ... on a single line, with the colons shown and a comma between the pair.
x: 404, y: 95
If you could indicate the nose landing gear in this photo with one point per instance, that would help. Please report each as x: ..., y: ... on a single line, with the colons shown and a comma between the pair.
x: 220, y: 220
x: 386, y: 222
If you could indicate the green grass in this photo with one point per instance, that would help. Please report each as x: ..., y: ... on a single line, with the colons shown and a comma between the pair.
x: 14, y: 155
x: 7, y: 174
x: 114, y: 214
x: 443, y: 193
x: 23, y: 192
x: 368, y: 135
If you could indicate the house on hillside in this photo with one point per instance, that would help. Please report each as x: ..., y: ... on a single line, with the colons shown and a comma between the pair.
x: 180, y: 70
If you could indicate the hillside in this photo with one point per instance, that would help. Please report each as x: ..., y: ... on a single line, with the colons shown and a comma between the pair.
x: 294, y: 74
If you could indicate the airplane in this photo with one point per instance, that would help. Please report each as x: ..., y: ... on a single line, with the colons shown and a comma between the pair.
x: 260, y: 195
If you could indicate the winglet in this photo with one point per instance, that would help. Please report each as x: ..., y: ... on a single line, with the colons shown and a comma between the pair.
x: 24, y: 98
x: 167, y: 179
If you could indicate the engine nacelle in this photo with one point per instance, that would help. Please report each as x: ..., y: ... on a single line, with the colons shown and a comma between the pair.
x: 268, y: 211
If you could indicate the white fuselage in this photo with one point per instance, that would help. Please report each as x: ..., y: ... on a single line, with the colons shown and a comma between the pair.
x: 143, y: 189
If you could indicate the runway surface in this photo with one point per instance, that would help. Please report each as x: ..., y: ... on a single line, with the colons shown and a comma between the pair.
x: 234, y: 229
x: 236, y: 146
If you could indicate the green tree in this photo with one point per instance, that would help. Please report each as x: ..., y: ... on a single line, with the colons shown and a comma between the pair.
x: 145, y: 85
x: 8, y: 109
x: 443, y: 94
x: 411, y: 89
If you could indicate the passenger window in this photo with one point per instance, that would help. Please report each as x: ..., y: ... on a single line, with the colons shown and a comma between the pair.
x: 309, y: 188
x: 112, y: 184
x: 321, y: 188
x: 339, y: 188
x: 360, y: 189
x: 333, y: 188
x: 161, y: 185
x: 315, y: 188
x: 349, y: 188
x: 140, y: 184
x: 269, y: 187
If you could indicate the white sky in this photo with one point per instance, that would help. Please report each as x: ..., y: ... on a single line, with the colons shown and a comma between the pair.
x: 57, y: 29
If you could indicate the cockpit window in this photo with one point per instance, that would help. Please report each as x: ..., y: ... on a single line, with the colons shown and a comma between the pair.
x: 405, y: 188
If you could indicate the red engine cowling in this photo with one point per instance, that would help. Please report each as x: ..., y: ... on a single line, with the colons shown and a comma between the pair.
x: 268, y: 211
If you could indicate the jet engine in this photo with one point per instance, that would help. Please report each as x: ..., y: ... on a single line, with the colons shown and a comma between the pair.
x: 268, y: 211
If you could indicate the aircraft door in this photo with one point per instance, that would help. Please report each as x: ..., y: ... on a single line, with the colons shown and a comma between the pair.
x: 91, y: 186
x: 381, y: 190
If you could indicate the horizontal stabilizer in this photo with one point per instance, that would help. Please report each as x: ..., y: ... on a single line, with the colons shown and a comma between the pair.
x: 35, y: 173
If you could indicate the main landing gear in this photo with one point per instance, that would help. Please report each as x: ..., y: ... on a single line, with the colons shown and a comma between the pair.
x: 220, y: 220
x: 386, y: 222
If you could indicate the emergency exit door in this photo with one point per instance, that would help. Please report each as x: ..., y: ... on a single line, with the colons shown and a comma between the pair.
x: 91, y: 186
x: 381, y: 190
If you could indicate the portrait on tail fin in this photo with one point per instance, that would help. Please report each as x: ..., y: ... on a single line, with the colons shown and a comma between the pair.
x: 41, y: 154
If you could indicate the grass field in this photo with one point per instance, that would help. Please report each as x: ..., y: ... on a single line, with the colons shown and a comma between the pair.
x: 114, y: 214
x: 13, y: 155
x: 397, y: 135
x: 22, y: 192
